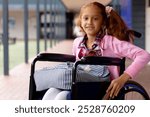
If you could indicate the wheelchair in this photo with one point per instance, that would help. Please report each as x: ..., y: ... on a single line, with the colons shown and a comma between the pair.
x: 88, y: 90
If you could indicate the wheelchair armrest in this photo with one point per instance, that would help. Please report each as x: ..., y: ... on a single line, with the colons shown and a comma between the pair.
x: 101, y: 60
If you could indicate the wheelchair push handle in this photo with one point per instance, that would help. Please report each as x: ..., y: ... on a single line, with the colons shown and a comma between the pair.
x: 55, y: 57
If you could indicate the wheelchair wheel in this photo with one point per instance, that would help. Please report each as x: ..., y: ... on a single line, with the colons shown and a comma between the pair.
x: 133, y: 91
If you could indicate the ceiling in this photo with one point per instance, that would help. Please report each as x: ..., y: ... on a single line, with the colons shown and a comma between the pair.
x: 75, y: 5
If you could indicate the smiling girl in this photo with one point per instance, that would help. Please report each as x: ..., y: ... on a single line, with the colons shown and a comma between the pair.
x: 107, y: 35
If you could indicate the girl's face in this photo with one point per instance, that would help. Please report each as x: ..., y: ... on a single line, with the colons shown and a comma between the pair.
x: 91, y: 20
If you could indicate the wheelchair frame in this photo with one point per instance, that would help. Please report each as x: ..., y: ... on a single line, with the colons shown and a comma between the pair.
x: 56, y: 57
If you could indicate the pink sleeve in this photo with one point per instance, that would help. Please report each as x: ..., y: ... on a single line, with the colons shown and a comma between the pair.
x: 139, y: 56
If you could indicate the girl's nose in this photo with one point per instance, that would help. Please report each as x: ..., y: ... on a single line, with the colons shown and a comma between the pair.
x: 90, y: 21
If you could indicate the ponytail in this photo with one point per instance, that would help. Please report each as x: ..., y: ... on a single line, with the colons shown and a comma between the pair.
x: 117, y: 27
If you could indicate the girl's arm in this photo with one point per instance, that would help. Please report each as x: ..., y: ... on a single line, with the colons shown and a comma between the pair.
x: 140, y: 58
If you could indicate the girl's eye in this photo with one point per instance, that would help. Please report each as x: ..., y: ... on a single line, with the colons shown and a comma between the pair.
x: 96, y: 18
x: 85, y: 18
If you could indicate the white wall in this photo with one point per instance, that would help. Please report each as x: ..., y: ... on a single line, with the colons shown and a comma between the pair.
x: 147, y: 39
x: 18, y: 30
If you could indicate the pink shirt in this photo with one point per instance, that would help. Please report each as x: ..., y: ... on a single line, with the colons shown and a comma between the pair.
x: 112, y: 47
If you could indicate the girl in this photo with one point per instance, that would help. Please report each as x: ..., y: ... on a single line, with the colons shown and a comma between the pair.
x: 107, y: 35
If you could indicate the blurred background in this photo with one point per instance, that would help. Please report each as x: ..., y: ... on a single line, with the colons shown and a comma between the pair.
x: 28, y: 27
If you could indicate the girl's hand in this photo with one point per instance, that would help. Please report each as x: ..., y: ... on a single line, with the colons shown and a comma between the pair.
x: 117, y: 84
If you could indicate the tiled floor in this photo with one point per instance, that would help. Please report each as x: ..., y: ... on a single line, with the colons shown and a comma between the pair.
x: 16, y: 85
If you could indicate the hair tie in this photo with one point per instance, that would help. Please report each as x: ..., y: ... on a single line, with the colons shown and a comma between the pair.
x: 108, y: 10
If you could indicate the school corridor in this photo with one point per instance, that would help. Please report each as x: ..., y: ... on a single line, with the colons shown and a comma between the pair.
x: 16, y: 85
x: 54, y: 20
